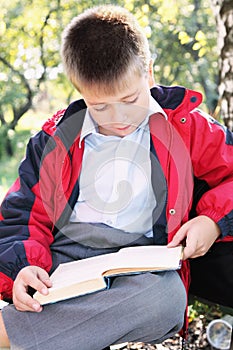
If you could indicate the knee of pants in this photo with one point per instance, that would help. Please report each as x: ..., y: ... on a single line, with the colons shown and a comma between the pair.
x: 159, y: 311
x: 164, y: 301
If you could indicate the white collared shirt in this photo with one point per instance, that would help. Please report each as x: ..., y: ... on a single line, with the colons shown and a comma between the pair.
x: 115, y: 180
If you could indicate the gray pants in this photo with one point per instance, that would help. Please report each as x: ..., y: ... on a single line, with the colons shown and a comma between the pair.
x: 146, y: 307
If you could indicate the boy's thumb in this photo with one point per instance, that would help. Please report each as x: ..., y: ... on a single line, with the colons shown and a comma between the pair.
x: 178, y: 238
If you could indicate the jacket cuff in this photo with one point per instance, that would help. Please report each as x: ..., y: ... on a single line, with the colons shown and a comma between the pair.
x: 226, y: 225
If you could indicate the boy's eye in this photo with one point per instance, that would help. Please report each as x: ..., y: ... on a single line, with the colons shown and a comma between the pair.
x: 100, y: 108
x: 103, y: 107
x: 132, y: 101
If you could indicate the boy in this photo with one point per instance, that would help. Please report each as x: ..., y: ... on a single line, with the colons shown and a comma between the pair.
x: 112, y: 171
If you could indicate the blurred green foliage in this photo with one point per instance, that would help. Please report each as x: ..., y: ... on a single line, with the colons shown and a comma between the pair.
x: 9, y: 165
x: 182, y: 37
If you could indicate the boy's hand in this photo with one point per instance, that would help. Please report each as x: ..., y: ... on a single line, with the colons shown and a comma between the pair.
x: 30, y: 276
x: 199, y: 235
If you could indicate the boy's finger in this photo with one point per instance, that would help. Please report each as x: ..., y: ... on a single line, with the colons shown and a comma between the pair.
x: 40, y: 286
x: 187, y: 253
x: 43, y: 276
x: 37, y: 279
x: 26, y: 303
x: 178, y: 238
x: 191, y: 247
x: 23, y: 301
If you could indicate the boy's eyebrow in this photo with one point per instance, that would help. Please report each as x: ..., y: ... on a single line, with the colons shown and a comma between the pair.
x: 130, y: 95
x: 122, y: 98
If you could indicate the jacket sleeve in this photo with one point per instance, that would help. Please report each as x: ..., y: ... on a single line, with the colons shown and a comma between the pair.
x: 212, y: 158
x: 25, y: 221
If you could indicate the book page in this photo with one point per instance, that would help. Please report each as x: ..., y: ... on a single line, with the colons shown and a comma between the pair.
x: 145, y: 258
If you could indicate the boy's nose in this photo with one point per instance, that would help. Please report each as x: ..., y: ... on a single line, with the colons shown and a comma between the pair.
x: 118, y: 114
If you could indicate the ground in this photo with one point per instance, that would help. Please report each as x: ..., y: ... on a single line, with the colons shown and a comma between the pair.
x: 196, y: 340
x: 200, y: 316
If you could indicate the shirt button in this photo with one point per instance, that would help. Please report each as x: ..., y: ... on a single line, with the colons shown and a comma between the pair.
x: 172, y: 211
x: 183, y: 120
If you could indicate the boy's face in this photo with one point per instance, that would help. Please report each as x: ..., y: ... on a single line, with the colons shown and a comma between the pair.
x: 121, y: 113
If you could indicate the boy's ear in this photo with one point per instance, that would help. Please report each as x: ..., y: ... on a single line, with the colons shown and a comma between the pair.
x: 151, y: 74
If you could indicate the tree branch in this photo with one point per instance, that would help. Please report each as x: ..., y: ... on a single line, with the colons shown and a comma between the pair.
x: 20, y: 75
x: 41, y: 42
x: 18, y: 112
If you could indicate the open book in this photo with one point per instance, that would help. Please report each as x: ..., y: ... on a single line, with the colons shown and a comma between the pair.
x: 89, y: 275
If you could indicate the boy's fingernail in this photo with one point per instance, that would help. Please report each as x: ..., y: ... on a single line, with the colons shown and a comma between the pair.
x: 44, y: 291
x: 36, y: 307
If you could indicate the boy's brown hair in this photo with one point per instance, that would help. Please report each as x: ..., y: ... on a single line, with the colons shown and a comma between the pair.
x: 103, y: 44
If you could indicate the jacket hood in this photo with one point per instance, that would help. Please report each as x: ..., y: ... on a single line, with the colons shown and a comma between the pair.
x: 174, y: 97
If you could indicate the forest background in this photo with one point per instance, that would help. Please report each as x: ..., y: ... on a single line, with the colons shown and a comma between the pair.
x: 191, y: 42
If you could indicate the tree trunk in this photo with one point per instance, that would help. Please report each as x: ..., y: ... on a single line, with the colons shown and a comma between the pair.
x: 223, y: 10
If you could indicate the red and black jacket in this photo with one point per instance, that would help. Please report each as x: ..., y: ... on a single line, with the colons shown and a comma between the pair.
x: 194, y: 152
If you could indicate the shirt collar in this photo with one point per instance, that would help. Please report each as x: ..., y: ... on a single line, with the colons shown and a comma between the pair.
x: 90, y: 126
x: 154, y: 107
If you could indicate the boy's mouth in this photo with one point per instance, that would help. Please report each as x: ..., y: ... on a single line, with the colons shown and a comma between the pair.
x: 124, y: 128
